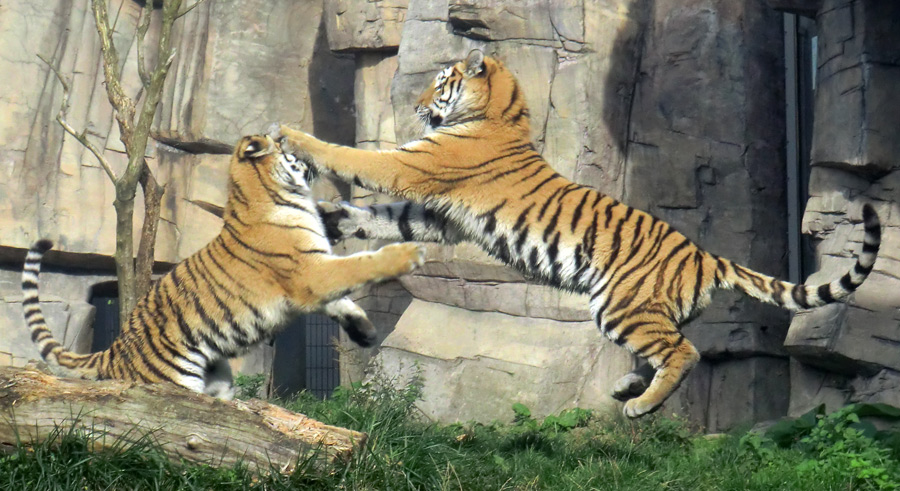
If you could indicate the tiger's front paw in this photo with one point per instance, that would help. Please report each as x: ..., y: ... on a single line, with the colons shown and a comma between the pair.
x: 402, y: 258
x: 291, y: 141
x: 274, y: 131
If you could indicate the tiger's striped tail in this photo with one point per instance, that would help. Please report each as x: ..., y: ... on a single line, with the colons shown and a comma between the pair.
x: 52, y: 351
x: 796, y: 297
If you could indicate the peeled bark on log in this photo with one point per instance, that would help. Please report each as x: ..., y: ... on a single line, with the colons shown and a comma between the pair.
x: 187, y: 425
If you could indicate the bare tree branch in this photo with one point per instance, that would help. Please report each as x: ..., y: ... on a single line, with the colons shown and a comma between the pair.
x: 141, y: 130
x: 123, y: 105
x: 81, y: 137
x: 115, y: 21
x: 192, y: 7
x: 125, y: 192
x: 142, y: 29
x: 136, y: 147
x: 134, y: 132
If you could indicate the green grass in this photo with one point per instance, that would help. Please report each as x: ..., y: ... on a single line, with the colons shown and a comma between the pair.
x: 570, y: 451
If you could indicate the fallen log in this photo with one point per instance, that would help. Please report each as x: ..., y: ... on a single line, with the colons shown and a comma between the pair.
x: 186, y: 425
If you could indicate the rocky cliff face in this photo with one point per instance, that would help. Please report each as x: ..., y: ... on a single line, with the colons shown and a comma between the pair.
x: 674, y: 107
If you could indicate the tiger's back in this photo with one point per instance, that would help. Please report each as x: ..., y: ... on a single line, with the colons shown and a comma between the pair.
x: 270, y: 260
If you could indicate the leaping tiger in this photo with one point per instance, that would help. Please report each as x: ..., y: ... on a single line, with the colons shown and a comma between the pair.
x: 270, y: 260
x: 477, y: 177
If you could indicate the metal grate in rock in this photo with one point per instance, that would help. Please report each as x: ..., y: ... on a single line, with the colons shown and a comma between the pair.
x: 322, y: 370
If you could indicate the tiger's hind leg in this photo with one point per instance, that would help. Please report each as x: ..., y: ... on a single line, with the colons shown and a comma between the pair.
x: 656, y: 338
x: 218, y: 380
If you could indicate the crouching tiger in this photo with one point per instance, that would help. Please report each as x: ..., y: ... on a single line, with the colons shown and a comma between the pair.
x: 477, y: 177
x: 270, y: 260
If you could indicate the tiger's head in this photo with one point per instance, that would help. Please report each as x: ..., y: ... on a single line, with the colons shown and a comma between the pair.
x: 477, y: 88
x: 260, y: 158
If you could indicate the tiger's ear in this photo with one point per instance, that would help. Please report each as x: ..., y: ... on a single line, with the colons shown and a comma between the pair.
x: 474, y: 63
x: 252, y: 147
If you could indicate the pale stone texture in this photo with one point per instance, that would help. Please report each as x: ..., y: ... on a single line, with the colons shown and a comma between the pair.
x: 237, y: 59
x: 754, y: 388
x: 384, y: 305
x: 811, y: 387
x: 227, y: 81
x: 370, y: 25
x: 476, y: 365
x: 859, y: 64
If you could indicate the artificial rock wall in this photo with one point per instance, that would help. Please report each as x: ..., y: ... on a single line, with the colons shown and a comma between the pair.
x: 851, y: 352
x: 676, y: 108
x: 238, y: 67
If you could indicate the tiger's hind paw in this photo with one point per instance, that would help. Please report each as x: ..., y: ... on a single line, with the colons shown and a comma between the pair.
x: 353, y: 320
x: 630, y: 386
x: 220, y: 389
x: 640, y: 406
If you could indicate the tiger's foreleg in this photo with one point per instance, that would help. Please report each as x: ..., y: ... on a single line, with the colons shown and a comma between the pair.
x: 353, y: 320
x: 402, y: 221
x: 332, y: 277
x: 350, y: 164
x: 404, y: 171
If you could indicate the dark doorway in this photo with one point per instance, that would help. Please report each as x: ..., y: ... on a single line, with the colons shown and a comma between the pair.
x: 105, y: 298
x: 306, y: 357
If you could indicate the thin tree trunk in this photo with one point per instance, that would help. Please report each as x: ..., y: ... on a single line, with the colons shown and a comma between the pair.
x: 134, y: 129
x: 125, y: 255
x: 153, y: 194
